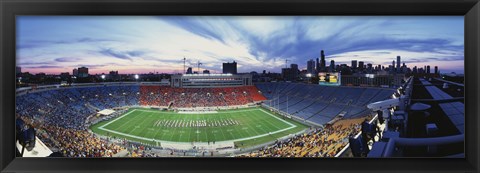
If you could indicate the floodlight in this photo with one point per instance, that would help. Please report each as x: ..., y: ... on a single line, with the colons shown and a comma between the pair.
x: 136, y: 76
x: 103, y: 76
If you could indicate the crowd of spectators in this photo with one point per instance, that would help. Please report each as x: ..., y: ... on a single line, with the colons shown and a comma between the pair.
x: 325, y: 142
x: 60, y: 115
x: 73, y: 142
x: 198, y: 97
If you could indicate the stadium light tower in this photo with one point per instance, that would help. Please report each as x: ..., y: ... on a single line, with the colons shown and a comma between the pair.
x: 184, y: 60
x: 136, y: 77
x: 198, y: 66
x: 103, y: 77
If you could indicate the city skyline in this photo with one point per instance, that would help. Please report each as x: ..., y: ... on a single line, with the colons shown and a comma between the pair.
x: 55, y: 44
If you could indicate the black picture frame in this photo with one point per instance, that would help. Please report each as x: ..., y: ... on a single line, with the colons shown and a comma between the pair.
x: 10, y: 8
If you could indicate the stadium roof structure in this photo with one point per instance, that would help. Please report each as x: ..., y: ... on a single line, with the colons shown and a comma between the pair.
x: 456, y: 112
x: 434, y: 124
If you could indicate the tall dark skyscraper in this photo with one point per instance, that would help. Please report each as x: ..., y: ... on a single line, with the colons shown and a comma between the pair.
x: 322, y: 61
x: 436, y: 69
x: 317, y: 66
x: 332, y: 65
x: 311, y: 66
x: 354, y: 64
x: 393, y: 65
x: 360, y: 65
x: 230, y: 67
x: 428, y: 69
x: 398, y: 63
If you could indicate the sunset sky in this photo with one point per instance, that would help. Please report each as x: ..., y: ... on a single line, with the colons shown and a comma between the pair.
x: 142, y: 44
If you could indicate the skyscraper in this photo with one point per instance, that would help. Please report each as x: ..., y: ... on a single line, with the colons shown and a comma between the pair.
x: 332, y: 65
x: 428, y: 69
x: 230, y: 67
x: 354, y: 64
x: 398, y: 63
x: 317, y: 66
x: 322, y: 61
x: 360, y: 65
x: 311, y: 66
x: 436, y: 69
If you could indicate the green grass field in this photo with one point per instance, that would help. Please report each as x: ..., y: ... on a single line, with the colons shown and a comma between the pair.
x: 245, y: 127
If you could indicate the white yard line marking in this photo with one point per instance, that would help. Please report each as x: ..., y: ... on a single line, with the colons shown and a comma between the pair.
x: 117, y: 119
x: 235, y: 140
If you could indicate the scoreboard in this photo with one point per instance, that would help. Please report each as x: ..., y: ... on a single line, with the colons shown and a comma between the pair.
x: 329, y: 79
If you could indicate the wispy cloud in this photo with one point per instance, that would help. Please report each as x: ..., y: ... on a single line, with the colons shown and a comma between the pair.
x: 143, y: 44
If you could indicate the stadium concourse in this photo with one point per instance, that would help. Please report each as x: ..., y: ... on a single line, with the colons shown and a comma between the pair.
x: 61, y: 115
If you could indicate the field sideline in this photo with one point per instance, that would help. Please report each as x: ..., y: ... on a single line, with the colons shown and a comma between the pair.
x: 244, y: 127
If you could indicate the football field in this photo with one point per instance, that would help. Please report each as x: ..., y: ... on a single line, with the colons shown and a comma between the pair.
x: 244, y: 127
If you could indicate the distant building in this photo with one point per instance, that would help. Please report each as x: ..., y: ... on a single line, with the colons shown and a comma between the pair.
x: 113, y: 75
x: 393, y: 66
x: 206, y: 71
x: 287, y: 74
x: 428, y: 69
x: 436, y: 69
x: 311, y: 66
x: 354, y: 64
x: 230, y: 68
x: 75, y: 72
x: 398, y: 63
x: 369, y: 67
x: 64, y: 76
x: 360, y: 65
x: 83, y: 72
x: 332, y: 65
x: 189, y: 70
x: 322, y: 61
x: 294, y: 68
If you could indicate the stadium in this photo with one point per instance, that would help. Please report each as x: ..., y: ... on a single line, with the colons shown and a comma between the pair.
x: 215, y: 115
